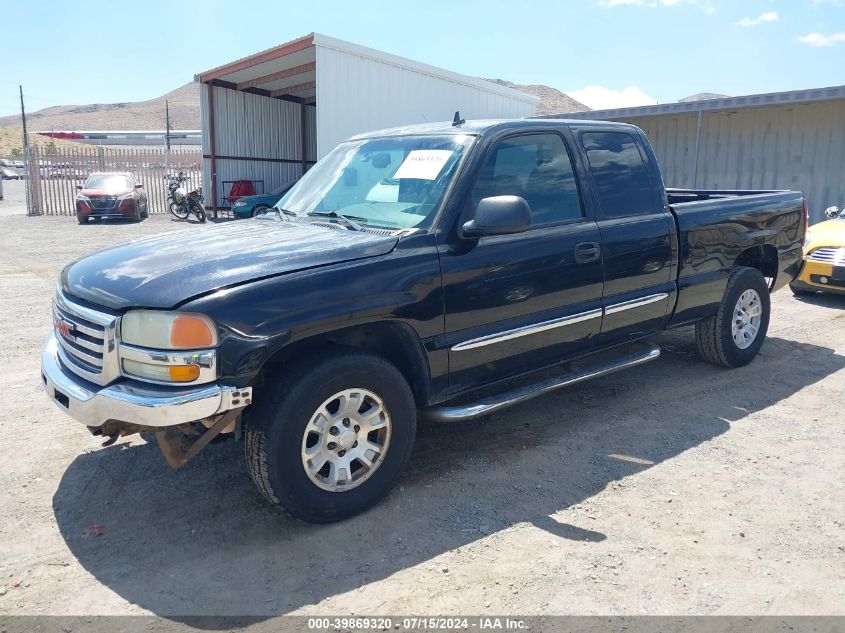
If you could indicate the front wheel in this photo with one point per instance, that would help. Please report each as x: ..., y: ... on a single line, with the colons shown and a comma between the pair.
x: 329, y: 440
x: 736, y: 333
x: 179, y: 211
x: 261, y: 209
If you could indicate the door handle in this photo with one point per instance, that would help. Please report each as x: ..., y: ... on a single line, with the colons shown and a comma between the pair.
x: 586, y: 252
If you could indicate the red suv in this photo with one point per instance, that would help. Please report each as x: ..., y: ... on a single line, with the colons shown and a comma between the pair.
x: 108, y: 195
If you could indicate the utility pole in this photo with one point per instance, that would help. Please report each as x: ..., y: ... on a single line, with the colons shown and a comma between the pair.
x: 23, y: 119
x: 166, y: 139
x: 167, y: 124
x: 27, y: 160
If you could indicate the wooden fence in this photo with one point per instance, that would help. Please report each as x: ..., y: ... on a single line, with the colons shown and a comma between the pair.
x: 54, y: 173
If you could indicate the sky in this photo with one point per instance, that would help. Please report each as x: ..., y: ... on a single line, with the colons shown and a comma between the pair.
x: 605, y: 53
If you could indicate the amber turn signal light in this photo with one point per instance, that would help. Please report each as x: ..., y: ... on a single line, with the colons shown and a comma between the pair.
x: 184, y: 373
x: 188, y: 332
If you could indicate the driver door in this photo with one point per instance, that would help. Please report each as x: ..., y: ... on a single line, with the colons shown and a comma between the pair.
x: 514, y: 303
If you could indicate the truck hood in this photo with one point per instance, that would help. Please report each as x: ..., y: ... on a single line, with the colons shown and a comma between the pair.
x: 165, y: 270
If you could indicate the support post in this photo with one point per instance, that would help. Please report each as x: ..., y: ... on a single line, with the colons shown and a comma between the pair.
x: 304, y: 135
x: 695, y: 155
x: 212, y: 148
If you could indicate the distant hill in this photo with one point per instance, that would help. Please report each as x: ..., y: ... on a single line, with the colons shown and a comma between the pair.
x: 552, y: 100
x: 702, y: 96
x: 138, y: 115
x: 185, y: 111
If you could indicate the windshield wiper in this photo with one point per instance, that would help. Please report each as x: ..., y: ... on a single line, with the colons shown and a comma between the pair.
x: 335, y: 214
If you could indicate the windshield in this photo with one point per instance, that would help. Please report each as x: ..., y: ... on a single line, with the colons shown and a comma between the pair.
x: 108, y: 181
x: 395, y: 183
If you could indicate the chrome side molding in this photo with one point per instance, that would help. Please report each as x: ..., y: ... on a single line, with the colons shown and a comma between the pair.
x: 635, y: 303
x: 527, y: 330
x: 491, y: 404
x: 490, y: 339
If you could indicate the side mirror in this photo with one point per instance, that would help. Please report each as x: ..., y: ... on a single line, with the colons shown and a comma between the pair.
x: 80, y: 187
x: 498, y: 215
x: 138, y: 186
x: 832, y: 212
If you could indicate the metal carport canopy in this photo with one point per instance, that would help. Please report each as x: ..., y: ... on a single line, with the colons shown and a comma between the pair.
x: 353, y: 89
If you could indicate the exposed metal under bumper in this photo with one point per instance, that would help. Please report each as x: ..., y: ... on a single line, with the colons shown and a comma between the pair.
x: 647, y: 352
x: 131, y: 401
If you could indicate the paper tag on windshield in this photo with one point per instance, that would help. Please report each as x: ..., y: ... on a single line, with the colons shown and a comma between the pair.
x: 423, y: 164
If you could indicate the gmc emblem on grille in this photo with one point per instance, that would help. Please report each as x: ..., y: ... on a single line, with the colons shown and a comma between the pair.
x: 65, y: 328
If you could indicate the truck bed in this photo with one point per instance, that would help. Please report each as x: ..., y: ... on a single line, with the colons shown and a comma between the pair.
x: 717, y: 228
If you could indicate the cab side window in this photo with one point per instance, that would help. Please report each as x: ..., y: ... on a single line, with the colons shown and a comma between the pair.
x: 622, y: 179
x: 535, y: 167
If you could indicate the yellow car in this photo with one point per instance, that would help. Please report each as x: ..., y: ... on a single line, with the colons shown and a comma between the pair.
x: 824, y: 256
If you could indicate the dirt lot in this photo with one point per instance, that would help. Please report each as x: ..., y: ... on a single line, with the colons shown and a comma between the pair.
x: 675, y: 488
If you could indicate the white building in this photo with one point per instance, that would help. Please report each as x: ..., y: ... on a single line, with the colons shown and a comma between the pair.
x: 267, y: 117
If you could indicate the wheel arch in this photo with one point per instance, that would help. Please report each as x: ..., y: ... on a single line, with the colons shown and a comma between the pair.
x: 395, y: 341
x: 763, y: 257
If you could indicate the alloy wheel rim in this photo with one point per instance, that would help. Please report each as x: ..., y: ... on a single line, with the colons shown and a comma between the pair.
x: 748, y: 312
x: 346, y: 440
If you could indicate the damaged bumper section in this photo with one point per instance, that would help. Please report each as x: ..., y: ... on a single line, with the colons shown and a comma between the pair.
x: 131, y: 403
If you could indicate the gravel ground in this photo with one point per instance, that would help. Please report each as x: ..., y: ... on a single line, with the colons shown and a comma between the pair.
x: 674, y: 488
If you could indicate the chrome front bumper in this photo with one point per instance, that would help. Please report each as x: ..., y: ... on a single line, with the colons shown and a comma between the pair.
x: 132, y: 401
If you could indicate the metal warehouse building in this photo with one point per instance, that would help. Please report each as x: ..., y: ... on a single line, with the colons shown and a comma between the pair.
x: 783, y: 140
x: 266, y: 117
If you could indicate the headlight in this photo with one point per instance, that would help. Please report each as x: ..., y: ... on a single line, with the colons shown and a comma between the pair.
x: 168, y: 330
x: 240, y: 203
x: 125, y: 196
x: 151, y: 342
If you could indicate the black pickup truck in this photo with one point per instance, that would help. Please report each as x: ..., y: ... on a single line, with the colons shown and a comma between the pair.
x: 442, y: 270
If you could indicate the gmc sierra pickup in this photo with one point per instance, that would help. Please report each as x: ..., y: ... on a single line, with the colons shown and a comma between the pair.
x: 442, y: 270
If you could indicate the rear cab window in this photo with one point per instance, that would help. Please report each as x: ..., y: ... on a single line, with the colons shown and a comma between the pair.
x: 622, y: 179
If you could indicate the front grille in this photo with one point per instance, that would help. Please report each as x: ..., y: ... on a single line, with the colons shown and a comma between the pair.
x: 86, y: 340
x: 105, y: 202
x: 829, y: 255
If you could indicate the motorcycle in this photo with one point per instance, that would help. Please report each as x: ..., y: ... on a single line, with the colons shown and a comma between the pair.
x: 182, y: 202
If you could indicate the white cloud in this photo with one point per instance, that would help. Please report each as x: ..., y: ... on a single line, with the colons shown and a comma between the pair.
x: 602, y: 98
x: 820, y: 39
x: 769, y: 16
x: 610, y: 4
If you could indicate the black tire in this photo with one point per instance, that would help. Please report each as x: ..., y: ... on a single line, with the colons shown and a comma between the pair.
x: 137, y: 217
x: 714, y: 336
x: 276, y: 426
x: 200, y: 213
x: 82, y: 220
x: 179, y: 210
x: 261, y: 208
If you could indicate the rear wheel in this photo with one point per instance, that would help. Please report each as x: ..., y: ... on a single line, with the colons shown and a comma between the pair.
x: 332, y: 437
x: 736, y: 333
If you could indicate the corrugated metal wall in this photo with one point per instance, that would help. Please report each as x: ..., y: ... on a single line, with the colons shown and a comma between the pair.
x: 357, y: 94
x: 785, y: 147
x: 253, y: 126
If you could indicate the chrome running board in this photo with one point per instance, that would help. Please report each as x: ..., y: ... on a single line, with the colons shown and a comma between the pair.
x: 647, y: 352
